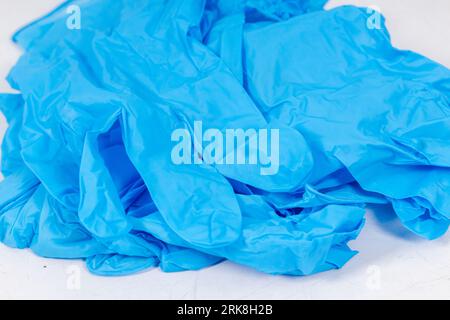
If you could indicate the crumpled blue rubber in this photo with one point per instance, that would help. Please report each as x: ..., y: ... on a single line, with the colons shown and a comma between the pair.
x: 86, y: 157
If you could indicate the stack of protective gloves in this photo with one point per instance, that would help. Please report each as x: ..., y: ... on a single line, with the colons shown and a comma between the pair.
x: 87, y: 155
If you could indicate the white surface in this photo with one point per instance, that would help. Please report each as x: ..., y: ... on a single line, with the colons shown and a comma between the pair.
x: 392, y: 264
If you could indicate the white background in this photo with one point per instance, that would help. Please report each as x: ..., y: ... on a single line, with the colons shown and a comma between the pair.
x: 392, y: 264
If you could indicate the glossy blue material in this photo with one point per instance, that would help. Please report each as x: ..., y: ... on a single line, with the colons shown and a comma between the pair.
x: 87, y: 156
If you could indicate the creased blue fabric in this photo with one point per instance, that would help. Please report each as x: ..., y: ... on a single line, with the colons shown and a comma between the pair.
x: 87, y: 156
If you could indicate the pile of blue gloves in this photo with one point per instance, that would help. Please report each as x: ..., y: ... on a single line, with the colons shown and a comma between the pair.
x: 88, y: 155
